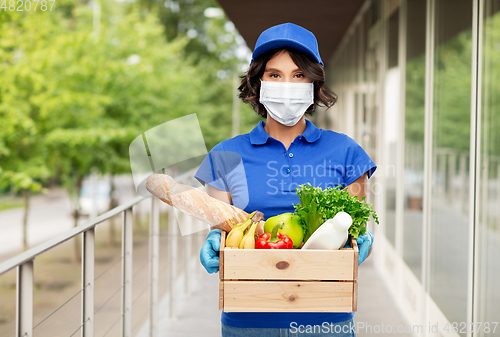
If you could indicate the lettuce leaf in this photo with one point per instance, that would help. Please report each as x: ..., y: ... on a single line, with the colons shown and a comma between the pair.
x: 317, y: 205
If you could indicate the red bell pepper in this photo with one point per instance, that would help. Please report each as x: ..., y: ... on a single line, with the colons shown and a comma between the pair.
x: 274, y: 240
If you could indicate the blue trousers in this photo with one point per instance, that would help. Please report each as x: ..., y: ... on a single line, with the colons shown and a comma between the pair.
x: 340, y: 329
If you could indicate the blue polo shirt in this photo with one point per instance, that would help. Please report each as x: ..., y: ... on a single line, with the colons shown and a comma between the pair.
x: 261, y: 174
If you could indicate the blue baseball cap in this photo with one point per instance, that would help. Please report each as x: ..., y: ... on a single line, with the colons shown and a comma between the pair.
x: 287, y: 35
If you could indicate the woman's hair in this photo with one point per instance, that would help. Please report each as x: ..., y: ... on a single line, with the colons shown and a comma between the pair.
x: 250, y: 84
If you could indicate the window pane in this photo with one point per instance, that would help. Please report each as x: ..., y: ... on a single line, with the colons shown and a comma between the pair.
x: 414, y: 136
x: 391, y: 116
x: 488, y: 227
x: 449, y: 223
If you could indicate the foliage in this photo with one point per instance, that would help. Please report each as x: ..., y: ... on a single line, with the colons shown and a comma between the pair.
x: 73, y: 95
x: 213, y: 45
x: 415, y: 100
x: 490, y: 111
x: 22, y: 157
x: 452, y: 92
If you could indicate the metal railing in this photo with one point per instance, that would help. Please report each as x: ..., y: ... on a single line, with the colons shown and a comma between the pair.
x: 25, y: 273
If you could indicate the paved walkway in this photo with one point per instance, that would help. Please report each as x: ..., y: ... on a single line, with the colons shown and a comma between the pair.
x: 375, y: 305
x: 198, y: 314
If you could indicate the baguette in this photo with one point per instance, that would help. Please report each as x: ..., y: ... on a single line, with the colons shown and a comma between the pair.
x: 195, y: 202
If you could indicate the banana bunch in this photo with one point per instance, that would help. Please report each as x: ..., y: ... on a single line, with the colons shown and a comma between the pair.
x: 238, y: 238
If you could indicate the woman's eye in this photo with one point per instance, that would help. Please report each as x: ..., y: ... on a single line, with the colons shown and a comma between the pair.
x: 299, y: 75
x: 274, y: 75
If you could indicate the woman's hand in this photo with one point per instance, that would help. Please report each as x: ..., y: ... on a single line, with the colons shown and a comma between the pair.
x: 364, y: 245
x: 209, y: 257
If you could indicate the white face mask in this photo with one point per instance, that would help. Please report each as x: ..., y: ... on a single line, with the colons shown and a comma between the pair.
x: 286, y: 102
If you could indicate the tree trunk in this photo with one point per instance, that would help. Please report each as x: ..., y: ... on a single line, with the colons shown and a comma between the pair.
x: 26, y: 196
x: 76, y: 217
x: 113, y: 202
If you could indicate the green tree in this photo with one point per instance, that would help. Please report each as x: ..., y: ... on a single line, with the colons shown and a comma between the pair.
x: 217, y: 50
x: 22, y: 156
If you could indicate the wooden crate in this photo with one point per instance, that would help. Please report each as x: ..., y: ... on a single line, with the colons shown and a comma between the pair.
x: 294, y: 280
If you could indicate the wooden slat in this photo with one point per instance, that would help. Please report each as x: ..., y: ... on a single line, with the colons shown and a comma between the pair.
x: 221, y: 269
x: 221, y: 295
x: 355, y: 296
x: 296, y: 264
x: 273, y: 296
x: 354, y: 245
x: 221, y: 254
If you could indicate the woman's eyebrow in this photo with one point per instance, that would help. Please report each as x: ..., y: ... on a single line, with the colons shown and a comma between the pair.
x: 277, y: 70
x: 272, y: 69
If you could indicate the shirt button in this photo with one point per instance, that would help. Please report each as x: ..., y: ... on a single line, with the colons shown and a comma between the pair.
x: 287, y: 170
x: 290, y: 155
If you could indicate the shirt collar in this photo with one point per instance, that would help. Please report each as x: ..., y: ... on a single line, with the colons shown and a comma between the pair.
x: 311, y: 133
x: 259, y: 136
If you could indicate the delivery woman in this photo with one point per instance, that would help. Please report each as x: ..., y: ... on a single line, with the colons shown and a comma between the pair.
x: 260, y: 170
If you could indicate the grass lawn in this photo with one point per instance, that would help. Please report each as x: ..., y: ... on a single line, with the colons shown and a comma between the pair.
x: 8, y: 203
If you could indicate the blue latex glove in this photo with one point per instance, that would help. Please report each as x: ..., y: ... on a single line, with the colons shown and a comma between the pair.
x: 209, y: 255
x: 364, y: 243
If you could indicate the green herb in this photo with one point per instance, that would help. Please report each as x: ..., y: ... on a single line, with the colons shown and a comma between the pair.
x: 318, y: 205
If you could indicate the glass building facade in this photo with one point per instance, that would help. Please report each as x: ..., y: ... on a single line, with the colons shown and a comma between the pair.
x: 416, y: 82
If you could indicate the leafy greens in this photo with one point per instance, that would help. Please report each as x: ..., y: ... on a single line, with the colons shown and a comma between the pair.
x: 318, y: 205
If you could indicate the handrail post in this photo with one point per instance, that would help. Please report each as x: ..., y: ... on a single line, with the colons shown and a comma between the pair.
x: 24, y: 312
x: 154, y: 262
x: 127, y: 245
x: 172, y: 263
x: 198, y: 244
x: 88, y: 245
x: 186, y: 223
